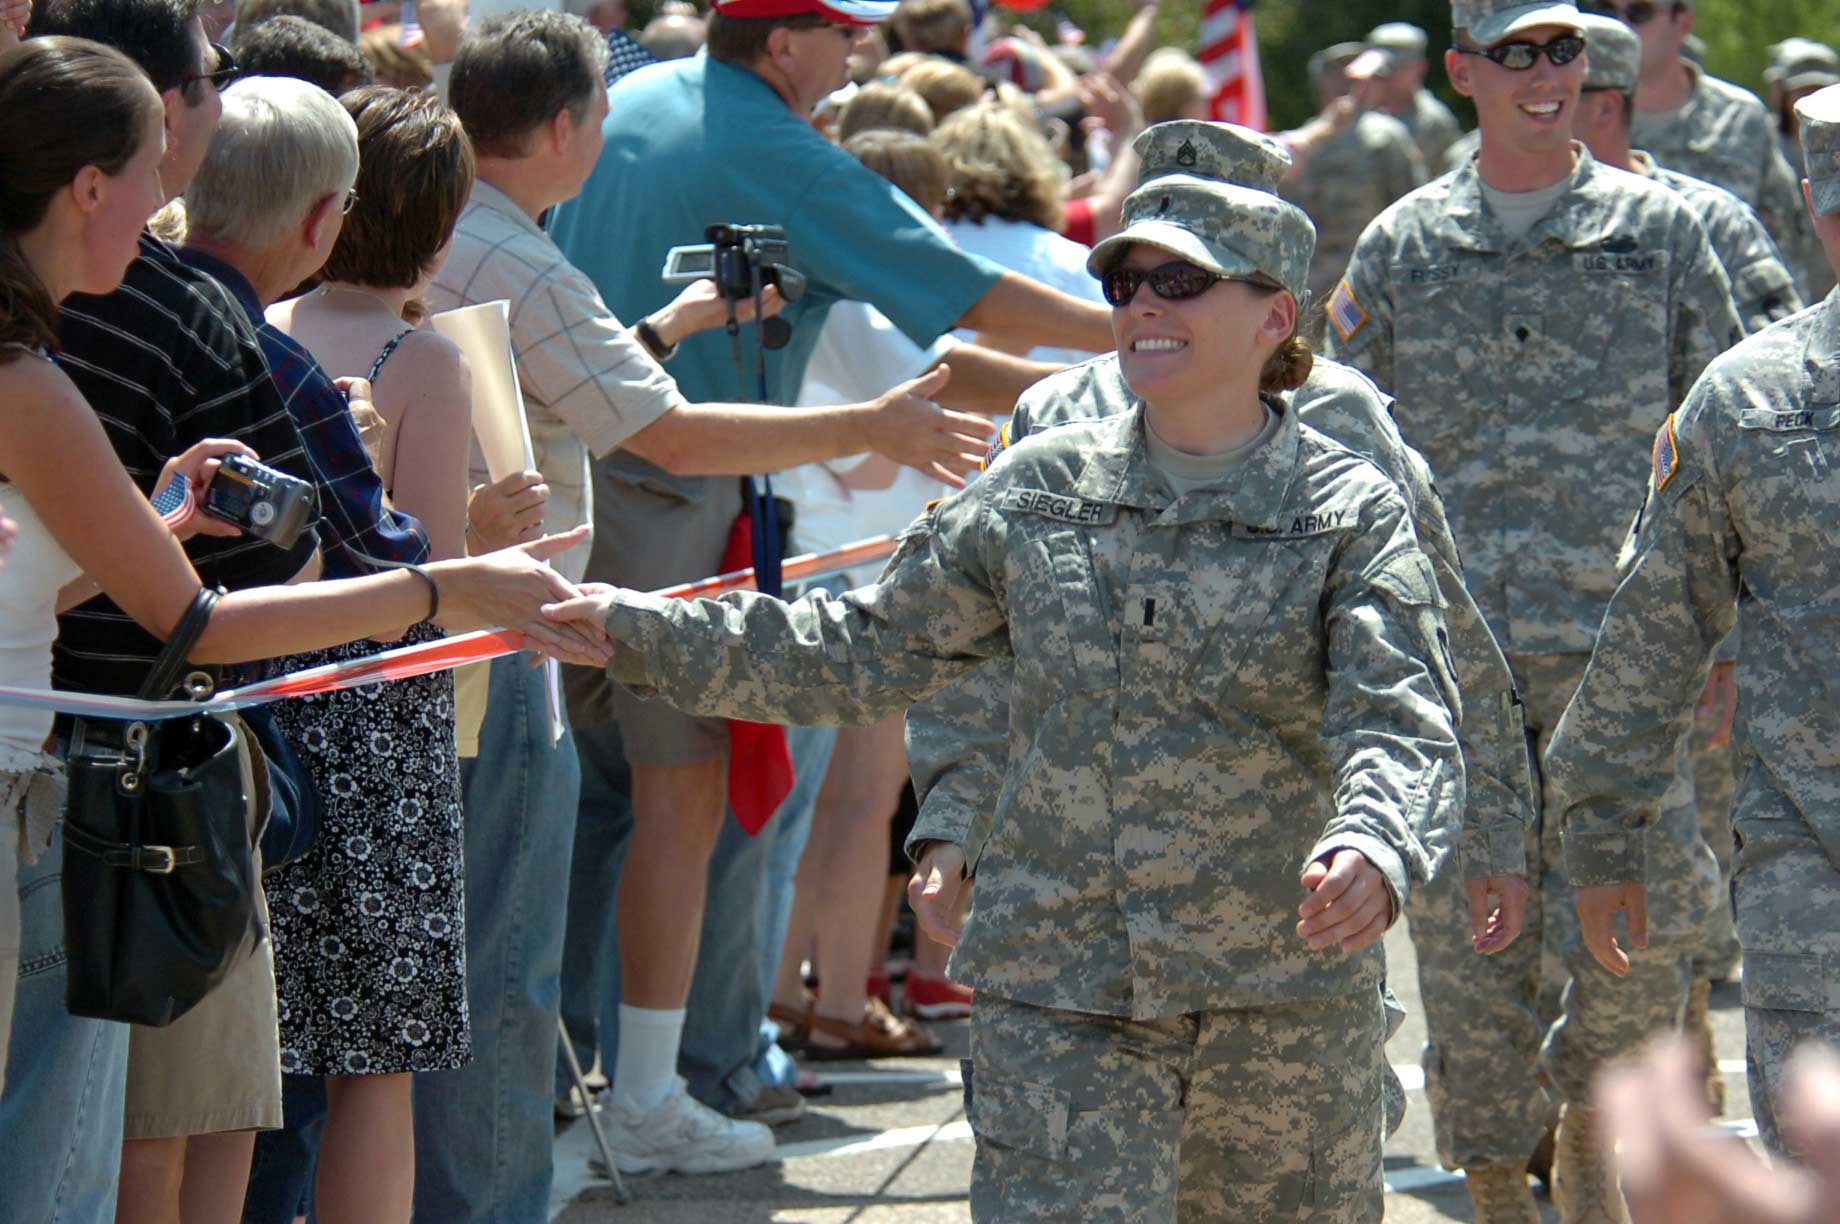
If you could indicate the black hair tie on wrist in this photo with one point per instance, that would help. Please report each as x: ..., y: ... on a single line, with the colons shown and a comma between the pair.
x: 434, y: 592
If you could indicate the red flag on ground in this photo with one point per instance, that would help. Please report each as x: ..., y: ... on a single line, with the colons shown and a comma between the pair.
x: 759, y: 762
x: 1230, y: 54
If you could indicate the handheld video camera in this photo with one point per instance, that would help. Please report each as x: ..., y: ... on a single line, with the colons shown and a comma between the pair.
x: 267, y: 504
x: 740, y: 259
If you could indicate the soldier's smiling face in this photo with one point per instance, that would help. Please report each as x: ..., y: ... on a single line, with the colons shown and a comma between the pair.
x: 1529, y: 111
x: 1175, y: 353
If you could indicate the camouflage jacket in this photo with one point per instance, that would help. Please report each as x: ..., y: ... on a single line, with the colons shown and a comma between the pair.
x: 1743, y: 509
x: 1347, y: 183
x: 1762, y: 287
x: 1211, y: 692
x: 958, y: 751
x: 1724, y: 135
x: 1434, y: 129
x: 1525, y: 367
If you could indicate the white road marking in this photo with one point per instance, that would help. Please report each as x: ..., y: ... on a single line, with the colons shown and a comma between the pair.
x: 855, y: 1145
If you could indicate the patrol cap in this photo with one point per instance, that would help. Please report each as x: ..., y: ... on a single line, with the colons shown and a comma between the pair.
x: 1820, y: 117
x: 1802, y: 63
x: 844, y: 12
x: 1792, y: 53
x: 1613, y: 54
x: 1493, y: 21
x: 1232, y: 231
x: 1225, y: 152
x: 1331, y: 62
x: 1402, y: 38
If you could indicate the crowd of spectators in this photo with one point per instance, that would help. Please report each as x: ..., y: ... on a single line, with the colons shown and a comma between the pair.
x: 223, y: 228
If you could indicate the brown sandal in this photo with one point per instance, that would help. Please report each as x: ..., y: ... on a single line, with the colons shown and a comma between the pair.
x: 879, y: 1034
x: 794, y: 1026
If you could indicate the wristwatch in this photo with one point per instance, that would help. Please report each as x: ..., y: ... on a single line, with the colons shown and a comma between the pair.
x: 653, y: 342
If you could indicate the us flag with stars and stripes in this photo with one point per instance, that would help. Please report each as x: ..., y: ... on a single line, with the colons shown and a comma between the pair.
x: 1230, y: 54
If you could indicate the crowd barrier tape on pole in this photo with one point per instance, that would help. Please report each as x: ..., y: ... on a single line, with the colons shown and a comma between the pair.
x: 405, y: 662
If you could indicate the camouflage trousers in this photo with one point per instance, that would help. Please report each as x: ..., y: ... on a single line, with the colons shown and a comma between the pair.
x: 1788, y: 894
x: 1496, y: 1023
x: 1715, y: 784
x: 1249, y: 1115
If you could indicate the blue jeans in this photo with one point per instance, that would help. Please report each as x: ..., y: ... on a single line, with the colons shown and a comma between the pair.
x: 786, y: 837
x: 723, y: 1036
x: 281, y: 1169
x: 60, y: 1119
x: 483, y: 1133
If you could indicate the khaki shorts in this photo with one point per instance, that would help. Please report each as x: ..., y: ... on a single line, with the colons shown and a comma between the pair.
x: 653, y: 530
x: 217, y: 1067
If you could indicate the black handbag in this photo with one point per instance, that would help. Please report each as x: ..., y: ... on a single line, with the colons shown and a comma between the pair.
x: 159, y: 882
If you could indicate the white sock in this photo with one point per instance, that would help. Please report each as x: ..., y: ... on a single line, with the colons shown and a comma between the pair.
x: 646, y: 1064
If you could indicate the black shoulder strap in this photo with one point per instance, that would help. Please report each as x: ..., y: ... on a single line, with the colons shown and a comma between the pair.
x: 166, y: 669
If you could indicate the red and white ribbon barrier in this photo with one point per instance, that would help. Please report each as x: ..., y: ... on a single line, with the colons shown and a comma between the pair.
x: 418, y: 660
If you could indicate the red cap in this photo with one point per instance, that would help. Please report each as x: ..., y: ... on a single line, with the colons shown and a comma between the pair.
x: 844, y: 12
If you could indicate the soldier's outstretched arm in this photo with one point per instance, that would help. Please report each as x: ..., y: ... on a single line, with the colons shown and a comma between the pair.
x: 1387, y: 731
x: 1612, y: 755
x: 851, y: 658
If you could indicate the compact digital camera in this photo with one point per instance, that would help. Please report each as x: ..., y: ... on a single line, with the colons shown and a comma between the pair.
x: 267, y: 504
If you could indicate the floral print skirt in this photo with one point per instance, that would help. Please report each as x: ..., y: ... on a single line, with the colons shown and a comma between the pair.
x: 369, y: 925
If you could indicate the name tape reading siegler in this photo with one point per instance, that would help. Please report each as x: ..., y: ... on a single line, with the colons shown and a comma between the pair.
x: 405, y: 662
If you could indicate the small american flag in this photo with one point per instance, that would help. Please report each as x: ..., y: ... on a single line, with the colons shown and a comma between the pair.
x: 176, y: 503
x: 1230, y: 54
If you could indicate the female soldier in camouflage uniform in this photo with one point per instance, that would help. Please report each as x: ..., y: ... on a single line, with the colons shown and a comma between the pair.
x: 1232, y: 694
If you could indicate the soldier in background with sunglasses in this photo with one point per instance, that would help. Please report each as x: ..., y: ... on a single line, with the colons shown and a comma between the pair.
x: 1534, y: 313
x: 1695, y: 123
x: 1232, y: 695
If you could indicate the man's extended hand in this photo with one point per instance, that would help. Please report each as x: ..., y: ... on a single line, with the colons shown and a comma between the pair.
x: 1349, y: 905
x: 1598, y: 906
x: 917, y: 433
x: 937, y: 892
x: 1497, y: 911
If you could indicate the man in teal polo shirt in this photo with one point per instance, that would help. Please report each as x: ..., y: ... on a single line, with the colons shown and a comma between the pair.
x: 726, y: 137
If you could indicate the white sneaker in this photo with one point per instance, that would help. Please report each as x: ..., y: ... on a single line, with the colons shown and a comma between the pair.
x: 683, y: 1135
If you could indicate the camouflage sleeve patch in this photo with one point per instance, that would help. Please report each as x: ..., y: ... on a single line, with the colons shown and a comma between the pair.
x: 1346, y: 312
x: 1667, y: 455
x: 998, y: 445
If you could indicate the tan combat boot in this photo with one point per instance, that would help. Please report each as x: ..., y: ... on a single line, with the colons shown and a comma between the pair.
x: 1697, y: 1025
x: 1584, y: 1180
x: 1501, y: 1196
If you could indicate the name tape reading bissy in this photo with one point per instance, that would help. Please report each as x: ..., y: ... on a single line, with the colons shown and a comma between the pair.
x: 405, y: 662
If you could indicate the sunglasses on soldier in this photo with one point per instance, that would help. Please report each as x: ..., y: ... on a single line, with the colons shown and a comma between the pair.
x: 1636, y: 13
x: 1175, y: 281
x: 1520, y: 56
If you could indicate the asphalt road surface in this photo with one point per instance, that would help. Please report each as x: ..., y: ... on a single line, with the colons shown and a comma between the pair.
x: 891, y: 1145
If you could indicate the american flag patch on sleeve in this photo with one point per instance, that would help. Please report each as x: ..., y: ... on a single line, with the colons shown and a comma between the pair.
x: 1346, y: 313
x: 176, y: 503
x: 1667, y: 455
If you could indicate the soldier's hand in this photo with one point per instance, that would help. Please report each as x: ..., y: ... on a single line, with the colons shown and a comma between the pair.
x: 937, y: 892
x: 1598, y: 906
x: 1349, y: 905
x: 1718, y: 704
x: 1497, y: 911
x: 917, y: 433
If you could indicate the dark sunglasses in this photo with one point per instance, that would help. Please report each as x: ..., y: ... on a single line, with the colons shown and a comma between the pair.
x: 227, y: 70
x: 1175, y: 281
x: 1636, y: 13
x: 1520, y: 56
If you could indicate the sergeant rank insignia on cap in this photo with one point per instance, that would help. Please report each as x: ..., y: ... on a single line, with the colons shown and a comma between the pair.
x: 1186, y: 155
x: 1346, y: 312
x: 1667, y: 455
